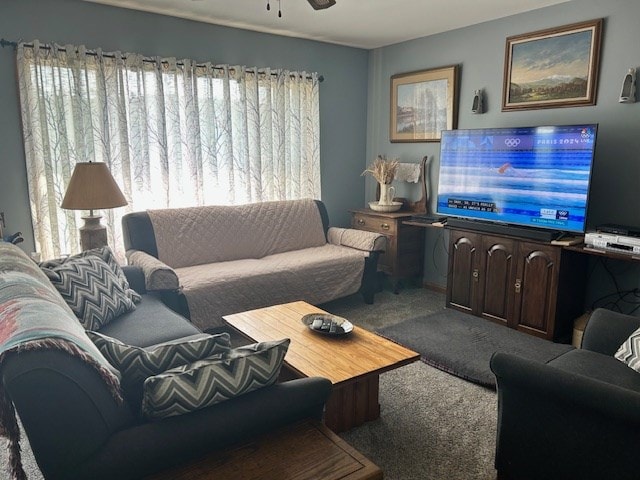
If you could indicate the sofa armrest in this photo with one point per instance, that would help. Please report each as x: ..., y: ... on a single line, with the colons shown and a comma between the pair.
x: 607, y: 330
x: 157, y: 274
x: 67, y: 410
x: 135, y: 277
x: 358, y: 239
x: 555, y: 424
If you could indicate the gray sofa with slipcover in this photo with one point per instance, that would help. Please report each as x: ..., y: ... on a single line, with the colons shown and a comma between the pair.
x: 577, y: 416
x: 216, y: 260
x: 66, y: 397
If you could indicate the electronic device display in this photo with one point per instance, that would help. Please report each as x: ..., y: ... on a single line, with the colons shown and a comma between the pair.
x: 527, y: 176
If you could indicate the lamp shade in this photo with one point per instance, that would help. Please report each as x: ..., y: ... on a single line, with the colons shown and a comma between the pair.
x: 92, y: 188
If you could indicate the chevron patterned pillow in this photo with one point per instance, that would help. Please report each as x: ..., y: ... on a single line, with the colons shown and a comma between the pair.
x: 629, y: 351
x: 137, y: 363
x: 207, y: 382
x: 105, y: 254
x: 92, y: 290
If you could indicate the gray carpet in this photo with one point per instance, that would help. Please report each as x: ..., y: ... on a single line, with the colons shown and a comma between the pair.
x: 461, y: 344
x: 433, y: 426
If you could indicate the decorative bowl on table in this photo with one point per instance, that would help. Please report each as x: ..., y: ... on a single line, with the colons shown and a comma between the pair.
x: 392, y: 207
x: 327, y: 324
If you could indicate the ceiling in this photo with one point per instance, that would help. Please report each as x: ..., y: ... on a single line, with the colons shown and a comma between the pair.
x: 357, y: 23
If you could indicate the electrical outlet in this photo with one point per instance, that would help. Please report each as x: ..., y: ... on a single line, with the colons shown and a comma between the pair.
x: 2, y: 224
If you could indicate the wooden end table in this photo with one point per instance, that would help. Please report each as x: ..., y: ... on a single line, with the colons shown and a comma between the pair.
x: 403, y: 258
x: 353, y: 363
x: 303, y: 451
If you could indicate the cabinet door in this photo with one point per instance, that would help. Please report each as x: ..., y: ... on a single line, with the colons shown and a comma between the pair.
x: 536, y: 288
x: 463, y: 275
x: 498, y: 271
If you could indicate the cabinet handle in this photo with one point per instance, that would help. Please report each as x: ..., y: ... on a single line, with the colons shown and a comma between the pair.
x: 518, y: 285
x: 360, y: 221
x: 475, y: 274
x: 385, y: 226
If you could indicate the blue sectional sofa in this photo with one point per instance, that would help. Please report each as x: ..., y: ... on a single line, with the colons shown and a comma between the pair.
x: 77, y: 429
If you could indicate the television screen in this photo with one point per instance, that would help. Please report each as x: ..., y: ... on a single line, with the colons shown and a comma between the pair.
x: 529, y: 176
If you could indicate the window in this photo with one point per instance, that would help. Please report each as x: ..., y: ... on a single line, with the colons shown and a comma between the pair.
x: 173, y: 133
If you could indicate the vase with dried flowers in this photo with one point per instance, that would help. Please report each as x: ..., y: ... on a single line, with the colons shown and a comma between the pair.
x: 384, y: 172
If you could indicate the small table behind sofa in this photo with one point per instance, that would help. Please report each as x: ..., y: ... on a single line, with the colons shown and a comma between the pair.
x: 304, y: 451
x: 218, y: 260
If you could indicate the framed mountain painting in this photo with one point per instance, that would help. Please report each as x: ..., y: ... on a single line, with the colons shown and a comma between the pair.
x: 552, y: 68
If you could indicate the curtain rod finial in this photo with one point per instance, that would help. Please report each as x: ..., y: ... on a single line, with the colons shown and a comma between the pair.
x: 7, y: 43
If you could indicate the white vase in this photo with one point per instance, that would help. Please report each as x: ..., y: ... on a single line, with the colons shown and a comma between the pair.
x: 387, y: 192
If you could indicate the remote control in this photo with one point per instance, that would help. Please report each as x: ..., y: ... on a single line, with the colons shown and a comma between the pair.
x: 328, y: 325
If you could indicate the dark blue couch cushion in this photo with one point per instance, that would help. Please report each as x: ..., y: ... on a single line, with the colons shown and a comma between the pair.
x: 599, y: 367
x: 149, y: 324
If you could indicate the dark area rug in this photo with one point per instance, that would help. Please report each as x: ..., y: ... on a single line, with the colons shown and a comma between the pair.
x: 462, y: 345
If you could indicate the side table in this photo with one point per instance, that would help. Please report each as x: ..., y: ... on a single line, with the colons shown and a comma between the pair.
x: 404, y: 256
x: 304, y: 451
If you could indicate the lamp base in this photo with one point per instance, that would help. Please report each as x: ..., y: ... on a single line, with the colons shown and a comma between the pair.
x: 92, y: 234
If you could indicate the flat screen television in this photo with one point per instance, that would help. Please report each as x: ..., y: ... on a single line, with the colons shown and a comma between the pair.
x: 534, y: 177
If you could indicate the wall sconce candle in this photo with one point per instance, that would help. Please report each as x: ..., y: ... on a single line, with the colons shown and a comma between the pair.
x: 628, y: 92
x: 477, y: 105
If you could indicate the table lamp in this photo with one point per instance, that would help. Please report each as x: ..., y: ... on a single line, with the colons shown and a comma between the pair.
x: 92, y: 188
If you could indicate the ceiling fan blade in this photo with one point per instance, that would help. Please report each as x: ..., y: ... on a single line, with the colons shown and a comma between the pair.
x: 321, y: 4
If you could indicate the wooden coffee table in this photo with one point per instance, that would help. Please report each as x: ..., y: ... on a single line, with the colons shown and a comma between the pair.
x: 304, y: 451
x: 353, y: 362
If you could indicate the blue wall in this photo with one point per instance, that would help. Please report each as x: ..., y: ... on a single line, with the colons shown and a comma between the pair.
x: 342, y: 94
x: 479, y: 50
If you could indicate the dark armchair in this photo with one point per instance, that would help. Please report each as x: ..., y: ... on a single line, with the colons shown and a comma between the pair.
x: 576, y: 417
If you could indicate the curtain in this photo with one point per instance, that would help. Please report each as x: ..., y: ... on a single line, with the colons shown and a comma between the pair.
x: 173, y: 133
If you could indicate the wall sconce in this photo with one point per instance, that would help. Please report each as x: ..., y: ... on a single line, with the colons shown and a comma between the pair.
x: 92, y: 187
x: 478, y: 105
x: 628, y: 92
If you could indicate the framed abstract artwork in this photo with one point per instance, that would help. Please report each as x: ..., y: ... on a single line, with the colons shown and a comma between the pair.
x: 423, y: 104
x: 552, y: 68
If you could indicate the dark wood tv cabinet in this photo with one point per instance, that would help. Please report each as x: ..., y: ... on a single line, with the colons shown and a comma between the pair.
x: 531, y: 286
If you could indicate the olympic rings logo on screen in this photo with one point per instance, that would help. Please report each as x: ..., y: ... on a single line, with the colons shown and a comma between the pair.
x: 512, y: 142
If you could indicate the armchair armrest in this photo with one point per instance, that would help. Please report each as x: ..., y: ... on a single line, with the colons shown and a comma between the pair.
x: 358, y: 239
x: 572, y: 389
x: 157, y: 274
x: 607, y: 330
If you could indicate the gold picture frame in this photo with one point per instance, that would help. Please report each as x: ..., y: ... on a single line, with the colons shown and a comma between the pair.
x: 423, y: 104
x: 552, y: 68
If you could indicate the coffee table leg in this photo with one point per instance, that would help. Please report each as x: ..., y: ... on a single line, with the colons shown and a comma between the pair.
x: 353, y: 404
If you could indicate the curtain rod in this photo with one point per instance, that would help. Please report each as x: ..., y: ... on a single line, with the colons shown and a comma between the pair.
x: 8, y: 43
